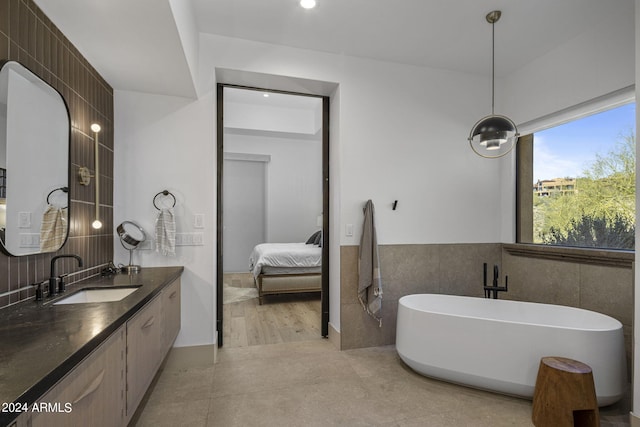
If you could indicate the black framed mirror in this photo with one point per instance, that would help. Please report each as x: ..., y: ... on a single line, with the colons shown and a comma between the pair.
x: 35, y: 131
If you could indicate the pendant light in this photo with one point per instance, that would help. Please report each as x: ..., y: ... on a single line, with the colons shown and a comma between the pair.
x: 495, y: 135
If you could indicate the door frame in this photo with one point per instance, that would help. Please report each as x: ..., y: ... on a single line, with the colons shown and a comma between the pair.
x: 324, y: 321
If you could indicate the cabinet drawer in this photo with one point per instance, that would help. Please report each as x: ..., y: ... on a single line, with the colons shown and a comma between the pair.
x: 23, y: 420
x: 170, y: 314
x: 144, y: 355
x: 92, y: 394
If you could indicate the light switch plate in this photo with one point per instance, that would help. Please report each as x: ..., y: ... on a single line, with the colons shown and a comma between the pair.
x: 24, y: 219
x: 348, y: 230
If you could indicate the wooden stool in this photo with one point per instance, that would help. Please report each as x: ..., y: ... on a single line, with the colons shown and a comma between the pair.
x: 564, y: 394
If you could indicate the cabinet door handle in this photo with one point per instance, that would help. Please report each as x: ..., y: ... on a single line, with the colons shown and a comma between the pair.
x: 173, y: 295
x: 149, y: 322
x: 91, y: 388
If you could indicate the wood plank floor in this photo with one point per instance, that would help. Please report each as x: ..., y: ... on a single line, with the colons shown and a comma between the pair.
x: 280, y: 319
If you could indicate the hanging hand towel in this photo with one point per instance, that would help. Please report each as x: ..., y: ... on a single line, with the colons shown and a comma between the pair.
x: 166, y: 232
x: 53, y: 229
x: 369, y: 278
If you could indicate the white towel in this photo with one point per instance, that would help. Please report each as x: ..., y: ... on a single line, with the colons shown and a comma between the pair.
x: 53, y: 229
x: 166, y: 232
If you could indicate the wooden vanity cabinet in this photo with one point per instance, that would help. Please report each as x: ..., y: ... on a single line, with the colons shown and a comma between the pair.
x: 23, y: 420
x: 106, y: 388
x: 144, y: 355
x: 150, y: 335
x: 170, y: 315
x: 92, y: 394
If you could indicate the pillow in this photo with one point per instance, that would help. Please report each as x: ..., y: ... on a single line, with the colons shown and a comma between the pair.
x: 318, y: 240
x: 312, y: 239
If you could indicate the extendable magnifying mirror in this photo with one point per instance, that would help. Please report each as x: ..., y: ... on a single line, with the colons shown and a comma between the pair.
x: 131, y: 235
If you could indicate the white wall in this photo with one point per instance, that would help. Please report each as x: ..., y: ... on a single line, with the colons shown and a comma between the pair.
x: 274, y: 119
x: 185, y: 20
x: 334, y: 209
x: 294, y: 183
x: 36, y: 115
x: 402, y: 135
x: 596, y: 62
x: 245, y: 209
x: 601, y: 60
x: 398, y: 132
x: 165, y: 142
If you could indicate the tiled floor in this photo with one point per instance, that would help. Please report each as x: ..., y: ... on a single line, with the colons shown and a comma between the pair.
x: 312, y: 384
x: 307, y: 382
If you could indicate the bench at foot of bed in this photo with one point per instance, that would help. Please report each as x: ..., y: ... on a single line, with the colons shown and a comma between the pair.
x: 287, y: 284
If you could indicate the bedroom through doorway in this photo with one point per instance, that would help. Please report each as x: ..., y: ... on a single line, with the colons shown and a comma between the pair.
x: 272, y: 193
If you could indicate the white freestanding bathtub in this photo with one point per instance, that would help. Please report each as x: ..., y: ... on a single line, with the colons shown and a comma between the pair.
x: 497, y: 344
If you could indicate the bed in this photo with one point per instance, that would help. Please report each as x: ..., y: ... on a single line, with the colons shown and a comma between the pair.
x: 280, y: 268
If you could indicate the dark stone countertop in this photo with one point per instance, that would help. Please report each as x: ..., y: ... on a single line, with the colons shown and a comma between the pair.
x: 42, y: 342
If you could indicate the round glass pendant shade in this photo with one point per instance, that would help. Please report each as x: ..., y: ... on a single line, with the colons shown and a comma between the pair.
x: 493, y: 136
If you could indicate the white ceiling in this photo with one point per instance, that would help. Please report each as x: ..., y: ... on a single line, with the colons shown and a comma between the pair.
x: 256, y: 97
x: 245, y: 123
x: 449, y: 34
x: 135, y: 44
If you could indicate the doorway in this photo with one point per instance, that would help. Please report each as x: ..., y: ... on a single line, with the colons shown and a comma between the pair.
x: 274, y: 211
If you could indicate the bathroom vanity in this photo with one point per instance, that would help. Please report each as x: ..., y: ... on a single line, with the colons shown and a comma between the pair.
x: 87, y: 363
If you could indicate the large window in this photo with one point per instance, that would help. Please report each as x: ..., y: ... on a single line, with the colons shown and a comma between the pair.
x: 582, y: 182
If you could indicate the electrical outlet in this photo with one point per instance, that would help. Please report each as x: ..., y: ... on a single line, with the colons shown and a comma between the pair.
x: 189, y: 239
x: 29, y: 240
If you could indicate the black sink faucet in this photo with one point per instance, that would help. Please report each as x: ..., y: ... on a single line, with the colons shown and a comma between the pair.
x: 53, y: 279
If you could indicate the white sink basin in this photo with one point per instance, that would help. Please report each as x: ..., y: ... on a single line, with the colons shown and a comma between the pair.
x: 97, y: 295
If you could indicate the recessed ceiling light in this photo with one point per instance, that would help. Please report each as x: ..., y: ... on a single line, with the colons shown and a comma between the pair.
x: 266, y: 95
x: 308, y: 4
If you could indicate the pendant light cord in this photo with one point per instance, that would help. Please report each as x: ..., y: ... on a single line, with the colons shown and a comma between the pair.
x: 493, y: 65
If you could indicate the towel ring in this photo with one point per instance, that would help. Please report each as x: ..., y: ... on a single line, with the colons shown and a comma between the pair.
x: 63, y: 189
x: 164, y: 193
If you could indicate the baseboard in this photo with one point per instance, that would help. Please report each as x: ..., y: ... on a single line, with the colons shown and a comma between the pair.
x: 188, y: 357
x: 334, y: 337
x: 634, y: 419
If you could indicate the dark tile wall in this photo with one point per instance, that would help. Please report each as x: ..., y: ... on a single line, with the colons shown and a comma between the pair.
x: 28, y: 36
